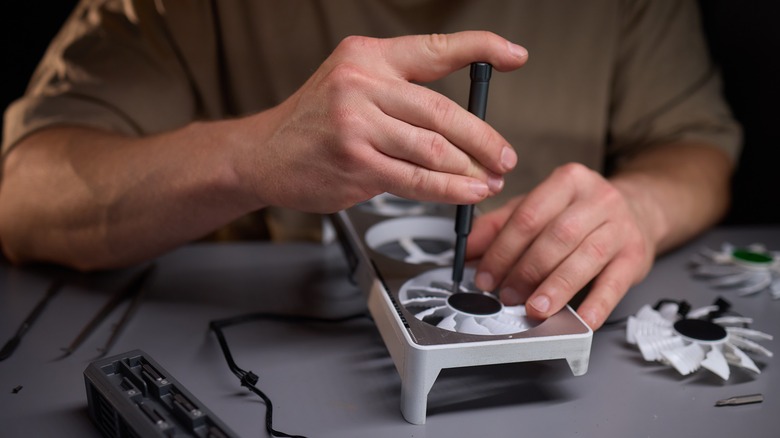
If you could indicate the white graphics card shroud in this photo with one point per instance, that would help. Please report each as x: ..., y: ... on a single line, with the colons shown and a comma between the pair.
x: 397, y: 260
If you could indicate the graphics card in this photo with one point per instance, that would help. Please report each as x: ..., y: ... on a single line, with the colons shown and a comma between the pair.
x: 400, y: 253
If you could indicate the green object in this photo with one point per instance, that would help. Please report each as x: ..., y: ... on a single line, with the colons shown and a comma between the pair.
x: 752, y: 257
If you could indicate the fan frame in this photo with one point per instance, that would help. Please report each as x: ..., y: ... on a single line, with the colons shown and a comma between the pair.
x: 420, y: 350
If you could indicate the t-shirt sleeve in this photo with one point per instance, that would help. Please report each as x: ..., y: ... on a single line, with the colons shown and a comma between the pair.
x: 666, y: 88
x: 111, y: 67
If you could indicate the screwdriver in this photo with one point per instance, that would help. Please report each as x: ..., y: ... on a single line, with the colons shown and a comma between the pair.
x: 478, y: 93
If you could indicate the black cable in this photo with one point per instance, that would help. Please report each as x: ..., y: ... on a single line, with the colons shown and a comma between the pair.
x: 249, y: 379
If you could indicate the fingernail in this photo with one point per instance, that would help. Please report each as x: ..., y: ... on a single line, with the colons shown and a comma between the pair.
x: 496, y: 183
x: 518, y: 51
x: 509, y: 296
x: 508, y: 158
x: 484, y: 281
x: 541, y: 303
x: 479, y: 188
x: 589, y: 317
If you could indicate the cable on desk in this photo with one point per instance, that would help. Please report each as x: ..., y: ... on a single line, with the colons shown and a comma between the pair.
x: 248, y: 378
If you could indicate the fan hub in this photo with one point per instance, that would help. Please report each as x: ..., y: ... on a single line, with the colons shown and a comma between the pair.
x: 474, y: 303
x: 701, y: 331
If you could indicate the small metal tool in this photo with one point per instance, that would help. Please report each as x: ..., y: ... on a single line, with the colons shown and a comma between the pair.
x: 478, y: 93
x: 11, y: 344
x: 133, y: 290
x: 740, y: 400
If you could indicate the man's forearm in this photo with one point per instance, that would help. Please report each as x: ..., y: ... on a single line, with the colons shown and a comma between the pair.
x: 677, y: 190
x: 92, y: 199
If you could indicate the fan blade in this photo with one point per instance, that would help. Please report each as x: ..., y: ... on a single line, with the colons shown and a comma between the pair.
x: 701, y: 312
x: 732, y: 280
x: 747, y: 344
x: 646, y: 313
x: 737, y: 357
x: 413, y: 250
x: 725, y: 320
x: 515, y: 310
x: 443, y: 286
x: 425, y: 301
x: 497, y: 327
x: 636, y: 327
x: 425, y: 291
x: 775, y: 289
x: 757, y: 247
x: 448, y: 323
x: 762, y: 281
x: 447, y: 256
x: 717, y: 270
x: 723, y: 256
x: 517, y: 321
x: 429, y: 312
x: 686, y: 359
x: 669, y: 311
x: 391, y: 205
x: 716, y: 363
x: 417, y: 255
x: 469, y: 325
x: 749, y: 333
x: 652, y: 346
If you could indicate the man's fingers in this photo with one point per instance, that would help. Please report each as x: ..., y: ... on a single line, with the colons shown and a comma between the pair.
x: 427, y: 109
x: 414, y: 182
x: 607, y: 290
x: 430, y: 150
x: 553, y: 196
x: 487, y: 226
x: 521, y: 229
x: 587, y: 261
x: 426, y: 58
x: 562, y: 240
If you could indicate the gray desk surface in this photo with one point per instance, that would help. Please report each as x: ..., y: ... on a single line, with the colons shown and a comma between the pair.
x: 338, y: 381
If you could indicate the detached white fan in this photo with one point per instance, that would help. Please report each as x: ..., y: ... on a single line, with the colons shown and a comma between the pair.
x: 431, y: 299
x: 700, y: 338
x: 746, y: 271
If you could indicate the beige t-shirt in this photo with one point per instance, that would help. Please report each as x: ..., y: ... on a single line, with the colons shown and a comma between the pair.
x: 604, y: 78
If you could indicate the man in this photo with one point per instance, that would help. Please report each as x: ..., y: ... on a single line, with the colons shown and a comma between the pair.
x: 150, y: 124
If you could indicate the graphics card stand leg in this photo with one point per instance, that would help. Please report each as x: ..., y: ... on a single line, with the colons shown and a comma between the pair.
x: 578, y: 364
x: 416, y: 383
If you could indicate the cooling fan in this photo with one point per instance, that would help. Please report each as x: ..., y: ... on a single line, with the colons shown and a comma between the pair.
x: 692, y: 339
x: 387, y: 204
x: 746, y: 271
x: 414, y: 240
x: 431, y: 299
x: 398, y: 262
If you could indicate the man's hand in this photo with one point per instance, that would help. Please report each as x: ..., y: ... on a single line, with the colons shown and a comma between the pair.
x: 542, y: 248
x: 361, y: 125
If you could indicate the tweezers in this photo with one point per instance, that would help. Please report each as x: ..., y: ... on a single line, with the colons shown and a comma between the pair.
x: 133, y: 290
x: 11, y: 344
